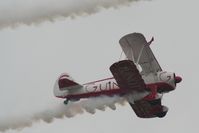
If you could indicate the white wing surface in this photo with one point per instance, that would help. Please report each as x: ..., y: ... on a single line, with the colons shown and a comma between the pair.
x: 137, y: 49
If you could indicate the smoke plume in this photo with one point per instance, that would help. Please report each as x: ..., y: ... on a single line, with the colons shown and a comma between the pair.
x: 61, y: 111
x: 16, y: 12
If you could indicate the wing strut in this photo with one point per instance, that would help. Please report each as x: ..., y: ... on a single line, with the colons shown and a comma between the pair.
x: 130, y: 51
x: 137, y: 62
x: 141, y: 51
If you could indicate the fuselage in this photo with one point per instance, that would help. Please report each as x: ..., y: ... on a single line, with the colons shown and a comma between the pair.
x: 163, y: 81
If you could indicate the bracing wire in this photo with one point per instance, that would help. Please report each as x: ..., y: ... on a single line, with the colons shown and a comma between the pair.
x: 121, y: 55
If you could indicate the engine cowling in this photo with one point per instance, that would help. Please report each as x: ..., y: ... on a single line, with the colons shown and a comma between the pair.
x: 167, y: 81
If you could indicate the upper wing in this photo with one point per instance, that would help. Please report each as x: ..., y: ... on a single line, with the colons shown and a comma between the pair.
x: 137, y: 49
x: 149, y: 109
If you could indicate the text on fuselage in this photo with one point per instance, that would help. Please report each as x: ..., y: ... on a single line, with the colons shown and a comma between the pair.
x: 104, y: 86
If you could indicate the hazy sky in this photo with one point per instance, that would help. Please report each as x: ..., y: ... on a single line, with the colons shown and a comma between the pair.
x: 32, y: 57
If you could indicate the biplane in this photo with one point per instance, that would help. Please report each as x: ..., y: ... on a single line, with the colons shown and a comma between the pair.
x: 139, y: 79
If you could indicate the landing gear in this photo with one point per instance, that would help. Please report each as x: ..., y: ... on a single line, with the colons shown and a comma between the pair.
x: 71, y: 100
x: 66, y: 101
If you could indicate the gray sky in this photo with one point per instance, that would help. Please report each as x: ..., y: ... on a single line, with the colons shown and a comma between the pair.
x: 32, y: 57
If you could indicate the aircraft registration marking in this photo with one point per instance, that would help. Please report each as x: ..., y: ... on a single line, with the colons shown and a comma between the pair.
x: 102, y: 86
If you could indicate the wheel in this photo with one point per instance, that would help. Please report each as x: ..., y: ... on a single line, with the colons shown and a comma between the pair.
x: 66, y: 101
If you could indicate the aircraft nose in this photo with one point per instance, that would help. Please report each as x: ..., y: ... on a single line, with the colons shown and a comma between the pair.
x: 178, y: 79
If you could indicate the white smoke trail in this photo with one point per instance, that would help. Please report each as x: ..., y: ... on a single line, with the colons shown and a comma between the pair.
x: 16, y: 12
x: 61, y: 111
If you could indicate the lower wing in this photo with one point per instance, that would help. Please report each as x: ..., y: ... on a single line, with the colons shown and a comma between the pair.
x: 149, y: 109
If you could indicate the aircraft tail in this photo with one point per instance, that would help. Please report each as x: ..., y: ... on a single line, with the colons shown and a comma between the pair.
x: 66, y: 82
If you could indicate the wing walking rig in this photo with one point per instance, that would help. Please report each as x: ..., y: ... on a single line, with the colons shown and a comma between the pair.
x: 139, y: 79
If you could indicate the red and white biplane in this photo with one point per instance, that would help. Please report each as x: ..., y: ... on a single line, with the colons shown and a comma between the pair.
x: 139, y: 79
